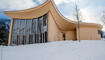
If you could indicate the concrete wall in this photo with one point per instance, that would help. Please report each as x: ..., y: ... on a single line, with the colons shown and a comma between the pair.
x: 89, y: 33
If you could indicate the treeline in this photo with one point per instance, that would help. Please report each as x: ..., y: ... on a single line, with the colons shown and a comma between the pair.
x: 4, y: 31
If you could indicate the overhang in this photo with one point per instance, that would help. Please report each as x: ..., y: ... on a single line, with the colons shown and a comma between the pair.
x: 63, y: 23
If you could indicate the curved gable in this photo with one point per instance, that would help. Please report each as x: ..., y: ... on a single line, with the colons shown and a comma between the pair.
x: 48, y: 6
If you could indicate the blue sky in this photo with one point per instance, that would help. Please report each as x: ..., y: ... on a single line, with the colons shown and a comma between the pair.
x: 91, y: 10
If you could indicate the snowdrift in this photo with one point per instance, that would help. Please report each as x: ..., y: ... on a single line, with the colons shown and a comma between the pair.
x: 63, y: 50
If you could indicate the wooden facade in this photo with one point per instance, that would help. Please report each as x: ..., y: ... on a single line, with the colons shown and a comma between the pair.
x: 58, y: 27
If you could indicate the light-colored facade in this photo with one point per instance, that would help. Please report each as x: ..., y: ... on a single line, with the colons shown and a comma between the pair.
x: 53, y: 27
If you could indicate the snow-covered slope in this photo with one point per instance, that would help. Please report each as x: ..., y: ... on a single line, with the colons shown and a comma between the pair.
x: 63, y: 50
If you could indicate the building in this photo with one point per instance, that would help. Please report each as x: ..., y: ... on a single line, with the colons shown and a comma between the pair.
x: 45, y: 23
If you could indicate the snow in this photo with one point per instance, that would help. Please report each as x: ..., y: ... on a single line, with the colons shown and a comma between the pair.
x: 62, y: 50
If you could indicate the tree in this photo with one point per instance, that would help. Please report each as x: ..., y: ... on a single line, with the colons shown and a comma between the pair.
x: 77, y: 14
x: 3, y: 34
x: 103, y: 21
x: 78, y: 18
x: 103, y: 17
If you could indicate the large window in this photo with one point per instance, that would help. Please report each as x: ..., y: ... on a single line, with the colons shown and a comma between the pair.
x: 29, y: 31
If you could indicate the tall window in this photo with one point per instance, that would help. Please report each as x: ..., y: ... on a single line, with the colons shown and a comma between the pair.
x: 44, y: 20
x: 29, y: 31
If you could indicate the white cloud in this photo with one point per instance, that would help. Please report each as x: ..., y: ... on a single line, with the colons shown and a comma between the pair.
x: 16, y: 4
x: 91, y: 14
x: 81, y: 2
x: 41, y: 1
x: 63, y: 1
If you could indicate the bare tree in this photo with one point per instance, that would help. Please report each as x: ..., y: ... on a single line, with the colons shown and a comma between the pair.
x: 78, y: 18
x: 103, y: 21
x: 103, y: 17
x: 77, y: 14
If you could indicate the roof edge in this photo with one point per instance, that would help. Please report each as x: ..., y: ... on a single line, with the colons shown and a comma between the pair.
x: 26, y: 10
x: 58, y: 13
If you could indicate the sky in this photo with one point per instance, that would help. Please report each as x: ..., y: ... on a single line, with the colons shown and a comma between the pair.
x: 91, y: 10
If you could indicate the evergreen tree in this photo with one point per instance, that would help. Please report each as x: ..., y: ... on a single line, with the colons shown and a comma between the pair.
x: 3, y: 34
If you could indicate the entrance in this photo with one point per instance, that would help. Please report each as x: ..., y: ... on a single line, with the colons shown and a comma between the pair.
x: 64, y: 36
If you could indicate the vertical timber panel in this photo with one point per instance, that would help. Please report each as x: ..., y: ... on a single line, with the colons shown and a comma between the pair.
x: 10, y: 33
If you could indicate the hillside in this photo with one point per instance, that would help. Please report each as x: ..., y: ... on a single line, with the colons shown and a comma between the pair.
x: 63, y: 50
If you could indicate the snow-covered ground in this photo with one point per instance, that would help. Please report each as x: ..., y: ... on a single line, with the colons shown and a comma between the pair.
x: 63, y: 50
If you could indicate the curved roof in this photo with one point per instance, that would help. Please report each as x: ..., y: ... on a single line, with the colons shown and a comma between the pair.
x: 48, y: 6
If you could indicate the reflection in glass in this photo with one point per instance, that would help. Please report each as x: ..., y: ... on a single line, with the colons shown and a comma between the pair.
x: 29, y: 31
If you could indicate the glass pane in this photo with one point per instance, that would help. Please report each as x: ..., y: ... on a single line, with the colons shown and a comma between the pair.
x: 29, y: 31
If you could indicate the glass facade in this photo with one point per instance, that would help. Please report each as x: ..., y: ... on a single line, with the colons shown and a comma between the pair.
x: 30, y: 31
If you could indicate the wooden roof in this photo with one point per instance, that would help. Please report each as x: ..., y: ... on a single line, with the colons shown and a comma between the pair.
x: 49, y: 6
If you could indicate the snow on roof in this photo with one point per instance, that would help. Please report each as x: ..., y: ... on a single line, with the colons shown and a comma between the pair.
x: 64, y: 50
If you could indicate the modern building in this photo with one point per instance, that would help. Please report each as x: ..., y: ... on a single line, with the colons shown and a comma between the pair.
x: 45, y: 23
